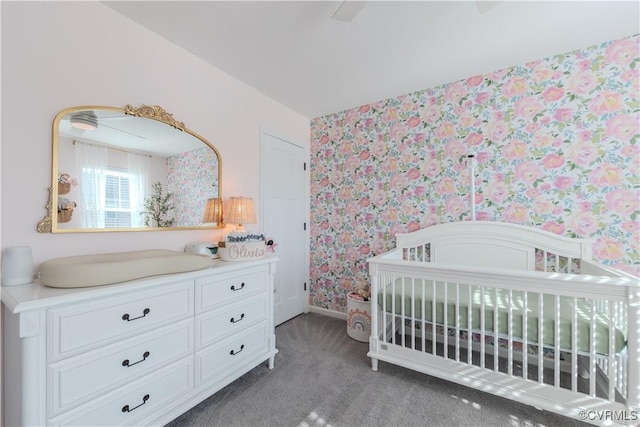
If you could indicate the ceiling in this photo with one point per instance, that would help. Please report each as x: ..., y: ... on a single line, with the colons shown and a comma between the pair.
x: 294, y: 52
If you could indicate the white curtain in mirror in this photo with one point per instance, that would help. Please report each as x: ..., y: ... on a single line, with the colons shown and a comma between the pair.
x: 139, y: 169
x: 92, y: 161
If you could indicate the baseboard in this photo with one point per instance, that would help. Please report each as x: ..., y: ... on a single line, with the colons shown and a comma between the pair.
x: 327, y: 312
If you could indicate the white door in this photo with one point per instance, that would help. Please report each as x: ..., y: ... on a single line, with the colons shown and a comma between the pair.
x: 283, y: 213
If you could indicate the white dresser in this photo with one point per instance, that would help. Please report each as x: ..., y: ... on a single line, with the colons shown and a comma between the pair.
x: 136, y: 353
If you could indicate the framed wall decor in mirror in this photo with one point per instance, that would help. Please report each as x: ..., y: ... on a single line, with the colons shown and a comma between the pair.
x: 130, y: 169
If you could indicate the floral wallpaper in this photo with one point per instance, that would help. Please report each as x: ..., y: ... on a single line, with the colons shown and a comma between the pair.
x: 556, y: 143
x: 192, y: 179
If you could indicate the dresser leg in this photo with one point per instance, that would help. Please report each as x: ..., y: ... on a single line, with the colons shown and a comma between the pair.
x: 272, y: 362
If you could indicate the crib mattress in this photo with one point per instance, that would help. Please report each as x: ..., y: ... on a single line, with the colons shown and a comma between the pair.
x: 423, y: 295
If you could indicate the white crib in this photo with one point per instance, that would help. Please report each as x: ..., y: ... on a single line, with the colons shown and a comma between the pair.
x: 514, y: 311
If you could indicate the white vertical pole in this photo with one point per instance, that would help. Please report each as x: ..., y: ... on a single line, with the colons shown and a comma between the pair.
x: 472, y: 166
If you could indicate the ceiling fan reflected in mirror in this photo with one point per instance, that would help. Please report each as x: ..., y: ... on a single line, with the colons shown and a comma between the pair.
x: 82, y: 121
x: 348, y: 9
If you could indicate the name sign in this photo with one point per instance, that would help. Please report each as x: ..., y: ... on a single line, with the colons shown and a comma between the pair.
x: 243, y: 251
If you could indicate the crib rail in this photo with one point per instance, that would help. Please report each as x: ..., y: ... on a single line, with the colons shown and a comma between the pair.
x: 561, y: 341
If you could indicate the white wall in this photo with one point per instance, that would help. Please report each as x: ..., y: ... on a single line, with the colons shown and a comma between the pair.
x: 61, y: 54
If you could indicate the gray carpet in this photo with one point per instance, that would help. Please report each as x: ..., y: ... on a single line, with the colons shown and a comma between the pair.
x: 324, y: 378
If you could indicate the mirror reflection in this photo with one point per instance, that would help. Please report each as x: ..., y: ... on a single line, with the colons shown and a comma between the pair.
x: 130, y: 169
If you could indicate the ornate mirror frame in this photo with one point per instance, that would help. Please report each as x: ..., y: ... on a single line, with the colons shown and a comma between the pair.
x: 50, y: 223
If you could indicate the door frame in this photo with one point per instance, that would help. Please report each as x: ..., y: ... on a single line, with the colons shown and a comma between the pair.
x: 307, y: 199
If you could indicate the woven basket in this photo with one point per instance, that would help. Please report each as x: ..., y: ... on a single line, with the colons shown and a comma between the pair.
x: 65, y: 215
x: 64, y: 187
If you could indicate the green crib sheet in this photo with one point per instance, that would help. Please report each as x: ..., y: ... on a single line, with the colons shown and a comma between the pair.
x: 394, y: 305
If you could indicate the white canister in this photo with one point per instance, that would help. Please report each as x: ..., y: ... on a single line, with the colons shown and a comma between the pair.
x: 17, y: 266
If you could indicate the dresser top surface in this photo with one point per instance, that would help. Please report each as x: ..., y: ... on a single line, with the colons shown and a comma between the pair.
x: 35, y: 295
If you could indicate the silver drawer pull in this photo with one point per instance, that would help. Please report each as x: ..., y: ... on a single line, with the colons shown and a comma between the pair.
x: 232, y: 320
x: 126, y: 408
x: 233, y: 287
x: 128, y: 364
x: 129, y: 318
x: 233, y: 353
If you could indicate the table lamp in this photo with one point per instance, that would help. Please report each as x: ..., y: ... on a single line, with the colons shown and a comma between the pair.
x: 240, y: 211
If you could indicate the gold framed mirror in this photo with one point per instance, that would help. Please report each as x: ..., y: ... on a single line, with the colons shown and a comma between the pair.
x: 130, y: 169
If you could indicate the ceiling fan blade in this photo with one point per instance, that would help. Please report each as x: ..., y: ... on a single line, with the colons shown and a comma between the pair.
x: 119, y: 117
x: 348, y: 10
x: 123, y: 131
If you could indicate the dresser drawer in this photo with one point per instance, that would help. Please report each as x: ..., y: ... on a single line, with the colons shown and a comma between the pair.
x: 222, y: 322
x: 231, y: 354
x: 87, y: 326
x: 227, y: 288
x: 145, y: 398
x: 81, y: 378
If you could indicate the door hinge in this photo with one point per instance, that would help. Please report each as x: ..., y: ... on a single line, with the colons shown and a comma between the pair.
x: 305, y: 226
x: 305, y: 165
x: 305, y: 286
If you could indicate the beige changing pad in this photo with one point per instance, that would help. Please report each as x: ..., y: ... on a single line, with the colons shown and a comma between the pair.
x: 105, y: 269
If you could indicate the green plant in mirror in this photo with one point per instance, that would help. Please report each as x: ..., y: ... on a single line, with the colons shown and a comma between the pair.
x: 157, y: 207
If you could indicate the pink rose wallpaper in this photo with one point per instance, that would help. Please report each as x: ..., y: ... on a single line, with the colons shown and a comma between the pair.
x: 192, y: 179
x: 556, y: 144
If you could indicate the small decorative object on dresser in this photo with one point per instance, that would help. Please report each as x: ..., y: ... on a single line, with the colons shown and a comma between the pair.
x: 242, y: 247
x: 17, y: 266
x: 135, y: 353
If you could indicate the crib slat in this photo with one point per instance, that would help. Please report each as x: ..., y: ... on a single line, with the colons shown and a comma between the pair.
x: 510, y: 334
x: 413, y: 313
x: 482, y: 327
x: 457, y: 322
x: 433, y: 317
x: 393, y: 313
x: 424, y: 315
x: 592, y: 350
x: 556, y: 342
x: 540, y: 338
x: 402, y: 313
x: 383, y: 324
x: 545, y: 267
x: 525, y: 328
x: 611, y: 368
x: 445, y: 351
x: 569, y: 265
x: 496, y: 339
x: 574, y: 345
x: 469, y: 326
